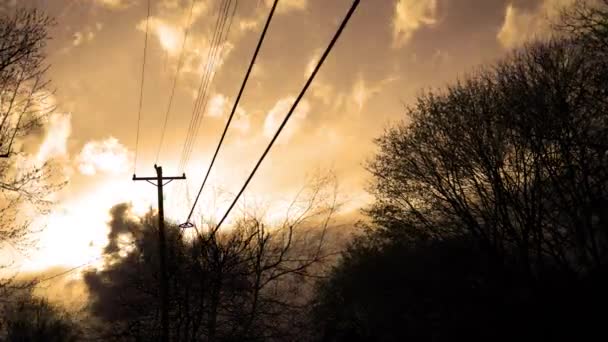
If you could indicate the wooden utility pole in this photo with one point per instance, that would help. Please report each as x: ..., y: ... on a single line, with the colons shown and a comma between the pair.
x: 162, y: 248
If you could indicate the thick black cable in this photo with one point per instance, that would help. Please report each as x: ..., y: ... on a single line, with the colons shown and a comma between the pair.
x: 236, y: 103
x: 141, y: 90
x: 175, y: 79
x: 293, y: 107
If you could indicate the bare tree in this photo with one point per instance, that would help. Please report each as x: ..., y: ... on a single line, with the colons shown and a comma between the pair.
x: 25, y: 317
x: 515, y: 155
x: 25, y: 103
x: 249, y: 282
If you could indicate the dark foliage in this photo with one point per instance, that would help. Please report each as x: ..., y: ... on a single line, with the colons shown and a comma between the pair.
x: 245, y: 284
x: 29, y: 319
x: 490, y: 219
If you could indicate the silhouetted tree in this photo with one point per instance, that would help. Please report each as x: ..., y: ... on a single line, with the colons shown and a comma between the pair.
x: 26, y: 318
x: 489, y: 220
x: 250, y: 282
x: 25, y: 182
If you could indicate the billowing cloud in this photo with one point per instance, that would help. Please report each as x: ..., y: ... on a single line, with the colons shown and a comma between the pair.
x: 521, y: 25
x: 169, y: 28
x: 411, y: 15
x: 108, y: 156
x: 276, y: 115
x: 58, y: 130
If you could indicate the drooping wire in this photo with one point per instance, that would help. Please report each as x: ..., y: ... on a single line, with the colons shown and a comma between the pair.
x: 235, y: 106
x: 203, y: 80
x: 218, y: 40
x: 66, y: 272
x: 175, y: 79
x: 141, y: 90
x: 203, y: 107
x: 293, y: 107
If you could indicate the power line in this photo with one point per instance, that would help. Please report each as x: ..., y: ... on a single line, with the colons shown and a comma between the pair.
x: 203, y: 107
x: 179, y: 66
x: 141, y: 90
x: 202, y: 97
x: 222, y: 14
x: 293, y: 107
x: 234, y: 107
x: 203, y: 78
x: 201, y: 100
x: 68, y: 271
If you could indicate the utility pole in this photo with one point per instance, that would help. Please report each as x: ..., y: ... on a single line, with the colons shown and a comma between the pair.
x: 162, y: 248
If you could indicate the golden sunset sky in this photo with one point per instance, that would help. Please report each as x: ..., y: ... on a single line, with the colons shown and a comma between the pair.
x: 391, y: 51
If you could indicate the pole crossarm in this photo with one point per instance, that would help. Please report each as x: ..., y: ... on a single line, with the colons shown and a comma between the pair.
x: 164, y: 284
x: 156, y: 178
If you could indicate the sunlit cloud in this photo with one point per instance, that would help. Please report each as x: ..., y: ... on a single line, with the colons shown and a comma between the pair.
x: 410, y: 16
x: 58, y: 131
x: 114, y: 4
x: 521, y: 25
x: 362, y: 92
x: 276, y: 115
x: 242, y: 121
x: 107, y: 156
x: 83, y: 36
x: 169, y: 29
x: 286, y: 6
x: 168, y: 35
x: 323, y: 91
x: 312, y: 62
x: 248, y: 24
x: 217, y: 105
x: 220, y: 106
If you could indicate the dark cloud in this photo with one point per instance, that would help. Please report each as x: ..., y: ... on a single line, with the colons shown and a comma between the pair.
x: 120, y: 223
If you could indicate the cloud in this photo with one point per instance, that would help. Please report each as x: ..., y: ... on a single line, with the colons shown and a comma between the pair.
x: 286, y: 6
x: 248, y: 24
x: 170, y: 23
x: 220, y: 105
x: 362, y: 92
x: 241, y: 121
x: 81, y: 37
x: 169, y: 36
x: 323, y: 91
x: 276, y: 115
x: 518, y: 27
x: 410, y: 16
x: 108, y: 156
x: 522, y: 25
x: 113, y: 4
x: 58, y: 130
x: 217, y: 106
x: 168, y: 27
x: 312, y: 62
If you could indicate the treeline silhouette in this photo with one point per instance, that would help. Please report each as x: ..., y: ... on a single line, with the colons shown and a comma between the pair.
x: 489, y: 223
x: 491, y: 206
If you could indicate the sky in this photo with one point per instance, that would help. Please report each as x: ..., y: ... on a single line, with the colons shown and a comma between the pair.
x: 391, y: 51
